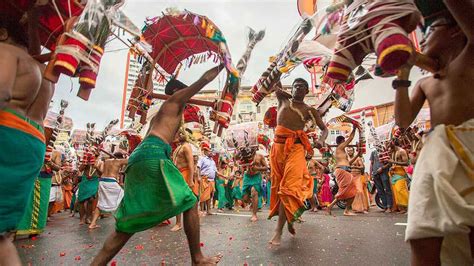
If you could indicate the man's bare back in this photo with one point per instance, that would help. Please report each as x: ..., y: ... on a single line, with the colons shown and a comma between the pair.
x: 39, y: 108
x: 341, y: 155
x: 181, y: 152
x: 24, y: 75
x: 112, y: 167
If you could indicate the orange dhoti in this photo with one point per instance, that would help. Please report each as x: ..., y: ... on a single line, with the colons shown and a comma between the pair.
x: 67, y: 194
x: 346, y: 184
x: 291, y: 182
x: 189, y: 180
x: 207, y: 187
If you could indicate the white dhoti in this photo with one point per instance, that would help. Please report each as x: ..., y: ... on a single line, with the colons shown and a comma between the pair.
x: 110, y: 194
x: 55, y: 194
x: 442, y: 192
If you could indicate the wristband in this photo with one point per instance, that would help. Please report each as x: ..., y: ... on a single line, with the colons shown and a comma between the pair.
x: 398, y: 83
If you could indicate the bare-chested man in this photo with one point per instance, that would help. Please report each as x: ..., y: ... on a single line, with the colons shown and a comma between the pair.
x: 441, y: 188
x: 110, y: 192
x: 183, y: 159
x: 398, y: 176
x: 23, y: 102
x: 152, y: 181
x: 347, y: 189
x: 290, y: 189
x: 252, y: 183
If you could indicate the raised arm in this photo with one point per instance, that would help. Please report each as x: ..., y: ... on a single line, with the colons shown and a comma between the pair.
x: 8, y: 65
x: 181, y: 97
x: 349, y: 139
x: 321, y: 125
x: 462, y: 11
x: 34, y: 44
x: 406, y: 108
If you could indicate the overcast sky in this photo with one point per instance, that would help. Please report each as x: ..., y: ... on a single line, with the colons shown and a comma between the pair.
x: 278, y: 17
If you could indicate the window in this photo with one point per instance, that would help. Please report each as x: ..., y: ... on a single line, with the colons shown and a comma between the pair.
x: 338, y: 132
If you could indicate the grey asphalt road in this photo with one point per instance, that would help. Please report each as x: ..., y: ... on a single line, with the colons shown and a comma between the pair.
x: 370, y: 239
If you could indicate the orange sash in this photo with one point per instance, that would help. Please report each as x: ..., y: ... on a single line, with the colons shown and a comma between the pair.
x: 289, y: 138
x: 15, y: 121
x: 189, y: 180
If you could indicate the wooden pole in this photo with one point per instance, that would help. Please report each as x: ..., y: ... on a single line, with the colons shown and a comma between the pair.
x: 191, y: 101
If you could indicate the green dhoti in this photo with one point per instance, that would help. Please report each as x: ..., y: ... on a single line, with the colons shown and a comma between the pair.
x: 237, y: 192
x: 88, y: 188
x: 252, y: 181
x: 221, y: 193
x: 228, y: 194
x: 269, y: 191
x: 21, y: 157
x: 154, y: 188
x: 36, y: 214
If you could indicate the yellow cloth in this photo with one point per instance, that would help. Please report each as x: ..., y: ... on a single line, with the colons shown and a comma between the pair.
x: 442, y: 192
x: 400, y: 187
x: 189, y: 180
x: 361, y: 199
x: 207, y: 188
x: 291, y: 183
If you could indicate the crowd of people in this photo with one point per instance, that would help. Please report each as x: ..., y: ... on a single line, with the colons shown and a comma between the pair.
x: 156, y: 182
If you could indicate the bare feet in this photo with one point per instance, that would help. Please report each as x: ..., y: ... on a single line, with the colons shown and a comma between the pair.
x: 254, y: 218
x: 276, y: 240
x: 403, y: 211
x: 349, y: 213
x: 82, y: 222
x: 291, y: 229
x: 94, y: 226
x: 220, y: 210
x: 209, y: 213
x: 300, y: 220
x: 365, y: 212
x: 176, y: 228
x: 208, y: 260
x: 383, y: 210
x: 388, y: 211
x: 314, y: 210
x: 72, y: 215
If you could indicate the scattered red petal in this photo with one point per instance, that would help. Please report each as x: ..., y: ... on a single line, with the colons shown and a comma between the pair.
x: 113, y: 263
x: 163, y: 262
x: 62, y: 254
x: 139, y: 247
x: 201, y: 244
x: 77, y: 258
x: 230, y: 238
x: 33, y: 238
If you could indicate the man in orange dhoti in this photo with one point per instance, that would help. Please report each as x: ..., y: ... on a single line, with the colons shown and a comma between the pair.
x: 208, y: 169
x: 291, y: 183
x: 184, y: 161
